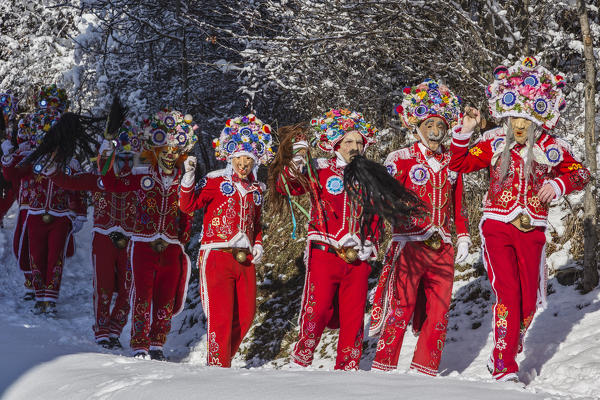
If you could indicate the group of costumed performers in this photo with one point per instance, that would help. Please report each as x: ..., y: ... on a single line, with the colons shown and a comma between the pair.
x: 418, y: 271
x: 49, y: 215
x: 528, y: 169
x: 231, y: 243
x: 143, y: 214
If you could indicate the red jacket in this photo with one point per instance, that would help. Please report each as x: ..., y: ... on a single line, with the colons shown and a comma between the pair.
x: 337, y: 224
x: 42, y: 195
x: 505, y: 200
x: 157, y: 214
x: 231, y: 213
x: 439, y: 187
x: 19, y: 177
x: 112, y: 211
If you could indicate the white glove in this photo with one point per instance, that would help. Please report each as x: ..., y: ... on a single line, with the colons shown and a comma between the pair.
x: 78, y: 224
x: 257, y: 253
x: 24, y: 147
x: 462, y: 251
x: 7, y: 147
x: 365, y: 251
x: 189, y: 166
x: 107, y: 146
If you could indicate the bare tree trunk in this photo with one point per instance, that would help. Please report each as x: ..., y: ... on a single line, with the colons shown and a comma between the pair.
x: 590, y: 267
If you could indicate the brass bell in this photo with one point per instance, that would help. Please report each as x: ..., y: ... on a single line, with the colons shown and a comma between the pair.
x: 240, y: 256
x: 525, y: 221
x: 351, y: 255
x: 47, y: 218
x: 121, y: 243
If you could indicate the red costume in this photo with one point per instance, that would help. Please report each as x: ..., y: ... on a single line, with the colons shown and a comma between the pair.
x: 50, y: 214
x: 515, y: 259
x: 421, y: 257
x: 159, y: 263
x: 329, y: 278
x: 232, y: 210
x: 114, y: 217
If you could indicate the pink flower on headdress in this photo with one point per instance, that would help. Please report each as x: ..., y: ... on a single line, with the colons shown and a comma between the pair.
x: 515, y: 80
x: 347, y: 124
x: 422, y: 86
x: 544, y: 88
x: 527, y: 91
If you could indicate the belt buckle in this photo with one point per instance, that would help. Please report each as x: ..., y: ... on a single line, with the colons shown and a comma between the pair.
x: 434, y: 241
x: 525, y: 221
x: 47, y: 218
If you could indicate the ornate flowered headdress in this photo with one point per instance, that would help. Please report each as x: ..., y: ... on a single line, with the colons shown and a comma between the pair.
x: 38, y: 124
x: 245, y: 136
x: 128, y: 138
x: 8, y: 103
x: 51, y: 96
x: 169, y: 128
x: 335, y: 124
x: 526, y: 90
x: 426, y: 100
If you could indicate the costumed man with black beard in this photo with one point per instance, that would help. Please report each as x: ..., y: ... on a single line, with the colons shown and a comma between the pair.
x: 342, y: 234
x: 418, y: 270
x: 529, y: 168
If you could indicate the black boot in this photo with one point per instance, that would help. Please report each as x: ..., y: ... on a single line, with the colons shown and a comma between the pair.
x: 104, y: 343
x: 39, y: 307
x: 51, y: 309
x: 157, y: 355
x: 115, y: 343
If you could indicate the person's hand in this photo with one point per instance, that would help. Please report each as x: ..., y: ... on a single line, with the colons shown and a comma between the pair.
x: 547, y: 193
x: 365, y: 251
x: 462, y: 251
x: 257, y: 253
x: 189, y: 165
x: 7, y: 147
x: 471, y: 119
x: 24, y: 147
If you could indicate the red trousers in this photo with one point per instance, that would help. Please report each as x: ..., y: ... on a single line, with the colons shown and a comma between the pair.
x: 229, y: 299
x: 418, y: 265
x: 156, y: 277
x: 331, y: 283
x: 48, y: 254
x: 21, y: 248
x: 513, y: 261
x: 111, y: 274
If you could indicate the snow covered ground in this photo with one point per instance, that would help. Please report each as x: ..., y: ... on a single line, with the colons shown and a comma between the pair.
x: 58, y: 359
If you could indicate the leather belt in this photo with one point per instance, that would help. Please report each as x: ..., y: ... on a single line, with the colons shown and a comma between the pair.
x: 523, y: 223
x: 348, y: 254
x: 240, y: 254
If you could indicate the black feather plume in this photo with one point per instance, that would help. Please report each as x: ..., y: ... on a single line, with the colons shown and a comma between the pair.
x: 67, y: 139
x: 116, y: 117
x: 2, y: 125
x: 371, y: 187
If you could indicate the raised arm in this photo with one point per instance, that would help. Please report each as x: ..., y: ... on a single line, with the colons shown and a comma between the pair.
x: 84, y: 181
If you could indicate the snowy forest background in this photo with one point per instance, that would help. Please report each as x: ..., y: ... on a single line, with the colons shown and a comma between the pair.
x: 288, y: 61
